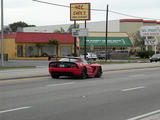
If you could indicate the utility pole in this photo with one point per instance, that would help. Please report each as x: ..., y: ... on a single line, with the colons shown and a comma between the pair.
x: 2, y: 60
x: 75, y: 43
x: 106, y: 55
x: 85, y: 42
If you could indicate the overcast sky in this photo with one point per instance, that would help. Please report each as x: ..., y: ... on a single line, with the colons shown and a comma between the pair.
x: 43, y: 14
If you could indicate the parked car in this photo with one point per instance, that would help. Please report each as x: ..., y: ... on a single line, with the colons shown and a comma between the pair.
x: 155, y: 58
x: 75, y: 66
x: 90, y: 56
x: 103, y: 55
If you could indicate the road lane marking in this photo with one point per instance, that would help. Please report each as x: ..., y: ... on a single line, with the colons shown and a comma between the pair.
x: 145, y: 115
x: 53, y: 85
x: 15, y: 109
x: 135, y: 88
x: 137, y: 75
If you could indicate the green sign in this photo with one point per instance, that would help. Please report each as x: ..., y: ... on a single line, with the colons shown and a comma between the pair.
x: 112, y: 41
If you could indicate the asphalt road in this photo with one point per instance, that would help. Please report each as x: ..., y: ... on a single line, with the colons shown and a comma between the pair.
x: 120, y: 95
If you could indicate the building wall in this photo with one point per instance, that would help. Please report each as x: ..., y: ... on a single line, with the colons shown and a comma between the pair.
x: 9, y: 48
x: 149, y: 24
x: 59, y: 48
x: 113, y: 26
x: 110, y: 34
x: 130, y: 27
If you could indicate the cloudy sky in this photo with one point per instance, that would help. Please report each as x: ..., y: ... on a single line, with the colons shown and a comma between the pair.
x: 40, y: 14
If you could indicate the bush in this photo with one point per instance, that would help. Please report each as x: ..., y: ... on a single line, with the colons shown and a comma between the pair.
x: 145, y: 54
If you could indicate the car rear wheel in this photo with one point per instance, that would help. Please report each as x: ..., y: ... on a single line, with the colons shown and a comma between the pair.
x: 83, y: 73
x: 54, y: 76
x: 99, y: 72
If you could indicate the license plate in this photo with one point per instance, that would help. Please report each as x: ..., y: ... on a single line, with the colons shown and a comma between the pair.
x: 61, y: 65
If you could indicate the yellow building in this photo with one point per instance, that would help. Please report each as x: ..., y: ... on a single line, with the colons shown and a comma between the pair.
x: 23, y: 45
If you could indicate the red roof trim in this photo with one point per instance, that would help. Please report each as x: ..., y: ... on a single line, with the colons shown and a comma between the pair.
x: 131, y: 20
x: 139, y: 20
x: 33, y: 37
x: 158, y: 22
x: 10, y: 35
x: 149, y: 21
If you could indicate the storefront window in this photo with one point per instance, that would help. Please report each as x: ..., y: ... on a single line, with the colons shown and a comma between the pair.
x: 19, y: 51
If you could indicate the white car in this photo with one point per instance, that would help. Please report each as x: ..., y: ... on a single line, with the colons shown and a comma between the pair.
x: 90, y: 56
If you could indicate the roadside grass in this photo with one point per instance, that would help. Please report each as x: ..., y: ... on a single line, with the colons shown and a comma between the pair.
x: 114, y: 62
x: 15, y: 67
x: 139, y: 59
x: 130, y: 60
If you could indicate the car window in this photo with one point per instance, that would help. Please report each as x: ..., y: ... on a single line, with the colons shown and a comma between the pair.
x: 84, y: 61
x: 156, y: 55
x: 69, y: 59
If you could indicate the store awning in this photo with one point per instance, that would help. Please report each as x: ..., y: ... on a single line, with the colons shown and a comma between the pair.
x: 112, y: 41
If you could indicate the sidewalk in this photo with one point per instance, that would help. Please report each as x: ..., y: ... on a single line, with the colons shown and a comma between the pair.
x: 43, y: 70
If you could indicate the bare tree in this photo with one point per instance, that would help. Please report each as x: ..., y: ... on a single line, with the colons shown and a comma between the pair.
x: 139, y: 40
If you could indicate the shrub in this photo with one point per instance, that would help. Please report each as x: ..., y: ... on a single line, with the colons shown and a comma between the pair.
x: 145, y: 54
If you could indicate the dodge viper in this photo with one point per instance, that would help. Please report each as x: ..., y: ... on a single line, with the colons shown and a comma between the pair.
x: 74, y: 66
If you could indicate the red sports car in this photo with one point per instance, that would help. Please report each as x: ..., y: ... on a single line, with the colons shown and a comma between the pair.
x: 75, y: 66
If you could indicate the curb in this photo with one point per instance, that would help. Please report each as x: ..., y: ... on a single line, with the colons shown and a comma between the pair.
x: 131, y: 68
x: 24, y: 77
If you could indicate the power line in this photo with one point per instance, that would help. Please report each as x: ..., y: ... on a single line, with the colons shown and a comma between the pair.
x: 97, y: 10
x: 51, y: 3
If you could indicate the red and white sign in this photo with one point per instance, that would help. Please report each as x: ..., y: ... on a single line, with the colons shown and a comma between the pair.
x: 79, y: 11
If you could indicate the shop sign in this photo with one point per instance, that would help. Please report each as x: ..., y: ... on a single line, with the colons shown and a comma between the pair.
x: 82, y: 32
x: 79, y: 11
x: 152, y: 41
x: 112, y: 41
x: 150, y: 31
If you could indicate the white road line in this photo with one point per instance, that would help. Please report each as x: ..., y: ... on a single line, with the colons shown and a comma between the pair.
x: 144, y: 115
x: 135, y: 88
x: 15, y: 109
x: 137, y: 75
x: 53, y: 85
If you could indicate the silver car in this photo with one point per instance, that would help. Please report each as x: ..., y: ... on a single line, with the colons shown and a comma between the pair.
x: 90, y: 56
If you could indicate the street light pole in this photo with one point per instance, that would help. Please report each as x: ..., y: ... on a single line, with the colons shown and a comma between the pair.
x: 2, y: 60
x: 106, y: 56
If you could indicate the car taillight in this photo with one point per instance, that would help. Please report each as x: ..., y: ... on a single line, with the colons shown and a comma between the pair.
x: 74, y: 66
x: 51, y: 65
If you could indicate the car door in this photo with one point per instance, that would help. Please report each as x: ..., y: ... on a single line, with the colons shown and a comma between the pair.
x: 88, y: 66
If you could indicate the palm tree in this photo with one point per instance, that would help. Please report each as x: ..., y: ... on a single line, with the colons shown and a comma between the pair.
x: 139, y: 40
x: 60, y: 31
x: 71, y: 27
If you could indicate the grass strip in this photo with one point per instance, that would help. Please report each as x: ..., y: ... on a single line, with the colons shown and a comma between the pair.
x: 114, y: 62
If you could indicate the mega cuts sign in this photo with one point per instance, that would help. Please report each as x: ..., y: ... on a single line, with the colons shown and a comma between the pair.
x: 150, y: 31
x: 79, y: 11
x: 152, y: 41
